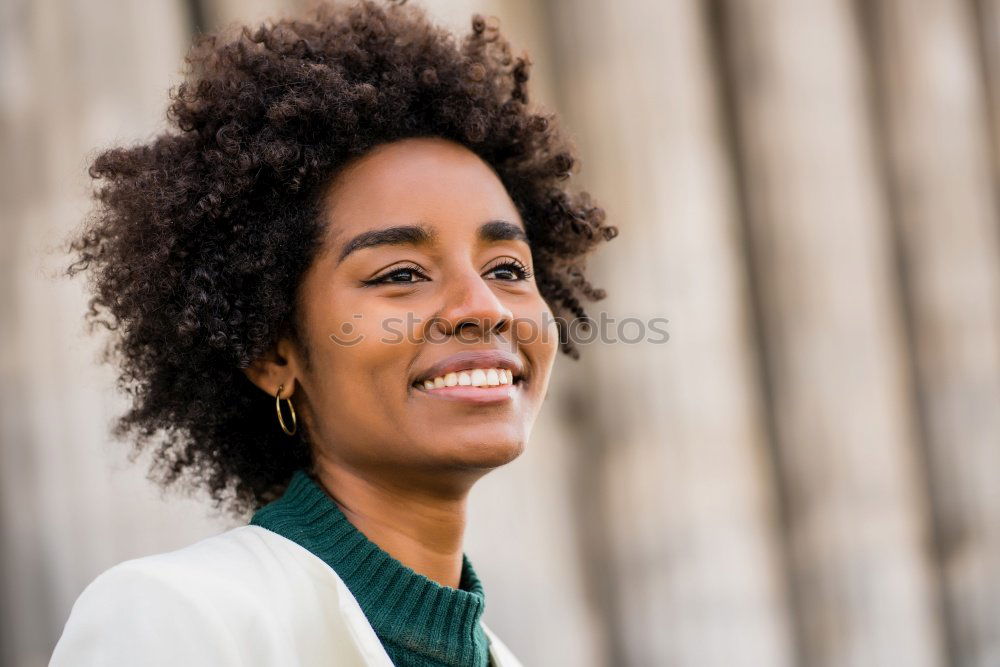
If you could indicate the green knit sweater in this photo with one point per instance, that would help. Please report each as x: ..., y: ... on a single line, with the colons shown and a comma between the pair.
x: 419, y: 622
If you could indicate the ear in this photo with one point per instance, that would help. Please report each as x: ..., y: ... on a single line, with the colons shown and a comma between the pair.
x: 276, y: 368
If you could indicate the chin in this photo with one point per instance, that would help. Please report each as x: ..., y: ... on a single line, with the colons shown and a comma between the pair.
x: 487, y: 453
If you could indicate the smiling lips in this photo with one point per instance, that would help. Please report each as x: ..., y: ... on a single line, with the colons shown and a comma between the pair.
x: 472, y: 363
x: 477, y: 394
x: 479, y: 376
x: 474, y: 377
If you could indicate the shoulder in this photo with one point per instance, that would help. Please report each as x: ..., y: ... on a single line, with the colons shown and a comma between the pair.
x: 231, y: 567
x: 153, y: 609
x: 207, y: 603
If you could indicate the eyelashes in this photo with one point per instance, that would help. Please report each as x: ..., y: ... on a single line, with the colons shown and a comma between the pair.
x: 507, y: 264
x: 384, y: 278
x: 511, y: 264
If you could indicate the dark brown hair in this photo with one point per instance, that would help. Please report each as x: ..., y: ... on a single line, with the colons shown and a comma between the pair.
x: 200, y: 237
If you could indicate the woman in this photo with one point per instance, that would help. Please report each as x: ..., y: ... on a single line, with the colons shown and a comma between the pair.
x: 337, y: 294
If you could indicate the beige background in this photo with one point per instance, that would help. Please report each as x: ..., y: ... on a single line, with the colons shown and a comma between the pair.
x: 804, y: 474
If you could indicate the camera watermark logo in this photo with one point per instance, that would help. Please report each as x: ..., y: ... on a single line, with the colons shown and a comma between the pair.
x: 581, y: 331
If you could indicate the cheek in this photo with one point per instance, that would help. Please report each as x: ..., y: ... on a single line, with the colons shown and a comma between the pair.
x: 376, y: 360
x: 538, y: 335
x: 362, y: 394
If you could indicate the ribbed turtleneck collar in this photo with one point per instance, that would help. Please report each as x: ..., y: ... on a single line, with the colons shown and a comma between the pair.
x: 419, y: 621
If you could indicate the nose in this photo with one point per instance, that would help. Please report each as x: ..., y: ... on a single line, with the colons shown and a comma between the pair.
x: 471, y: 309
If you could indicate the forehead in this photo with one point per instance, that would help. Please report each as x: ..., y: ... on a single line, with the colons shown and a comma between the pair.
x: 425, y: 180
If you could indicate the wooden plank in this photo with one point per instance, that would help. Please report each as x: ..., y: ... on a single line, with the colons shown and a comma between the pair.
x: 833, y: 337
x: 934, y: 114
x: 676, y: 488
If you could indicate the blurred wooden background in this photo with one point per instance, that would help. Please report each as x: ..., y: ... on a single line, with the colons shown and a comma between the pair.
x: 804, y: 474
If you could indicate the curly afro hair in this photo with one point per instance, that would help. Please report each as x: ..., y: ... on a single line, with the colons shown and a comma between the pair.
x: 199, y: 238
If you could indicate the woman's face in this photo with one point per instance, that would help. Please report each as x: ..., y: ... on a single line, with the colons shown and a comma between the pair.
x: 421, y: 276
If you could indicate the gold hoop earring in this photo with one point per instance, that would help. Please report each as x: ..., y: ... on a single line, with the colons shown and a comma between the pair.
x: 281, y: 419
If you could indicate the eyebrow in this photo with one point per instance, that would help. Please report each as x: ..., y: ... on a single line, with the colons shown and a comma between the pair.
x: 489, y: 232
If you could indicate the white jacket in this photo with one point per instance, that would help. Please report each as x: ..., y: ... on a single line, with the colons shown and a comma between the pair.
x: 247, y: 597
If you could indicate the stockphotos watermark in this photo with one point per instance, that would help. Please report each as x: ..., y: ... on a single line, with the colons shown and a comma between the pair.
x: 581, y: 331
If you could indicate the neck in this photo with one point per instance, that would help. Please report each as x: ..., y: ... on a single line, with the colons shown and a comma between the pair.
x: 421, y: 526
x: 420, y: 620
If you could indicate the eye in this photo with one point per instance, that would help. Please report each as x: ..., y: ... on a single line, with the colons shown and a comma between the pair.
x: 511, y: 267
x: 404, y: 272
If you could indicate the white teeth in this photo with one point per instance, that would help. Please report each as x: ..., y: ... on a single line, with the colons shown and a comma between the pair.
x: 475, y: 377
